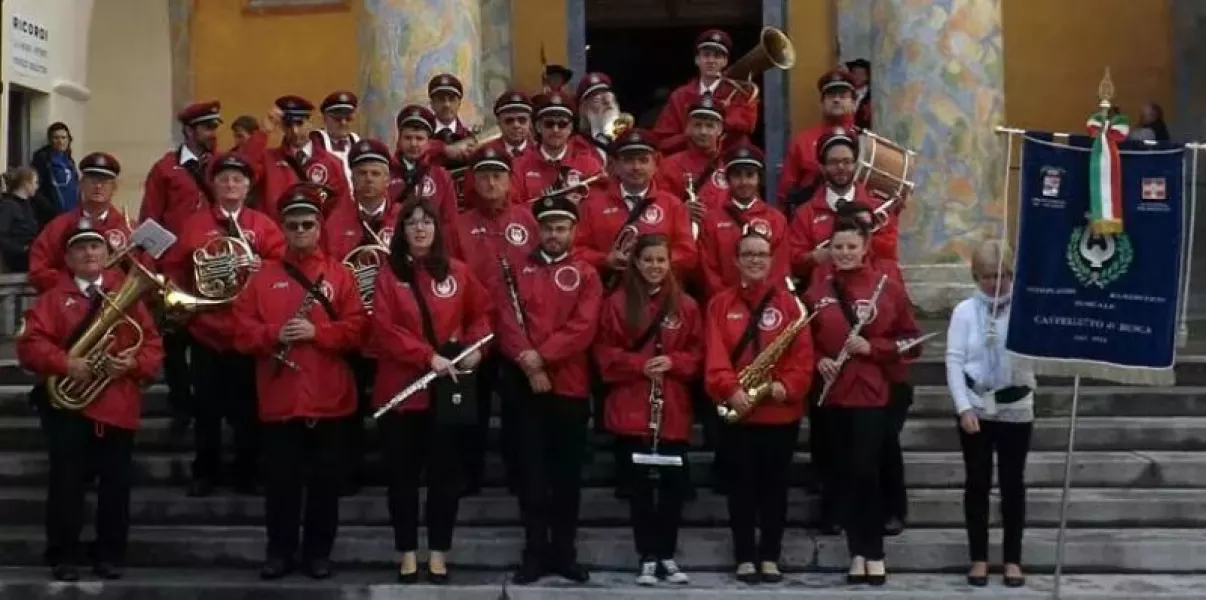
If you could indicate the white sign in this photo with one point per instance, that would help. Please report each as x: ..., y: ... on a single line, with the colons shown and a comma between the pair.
x: 30, y: 47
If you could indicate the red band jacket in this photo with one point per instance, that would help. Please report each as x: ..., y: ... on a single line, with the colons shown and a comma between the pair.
x: 800, y: 166
x: 432, y: 183
x: 740, y: 118
x: 48, y: 261
x: 533, y: 174
x: 44, y: 340
x: 728, y: 315
x: 700, y: 164
x: 213, y: 326
x: 170, y: 193
x: 722, y: 230
x: 622, y: 366
x: 322, y: 386
x: 460, y: 310
x: 602, y: 216
x: 561, y: 299
x: 277, y: 169
x: 345, y: 229
x: 863, y: 381
x: 485, y: 235
x: 814, y: 221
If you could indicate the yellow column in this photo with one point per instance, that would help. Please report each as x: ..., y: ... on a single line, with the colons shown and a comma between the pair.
x: 812, y: 29
x: 536, y: 25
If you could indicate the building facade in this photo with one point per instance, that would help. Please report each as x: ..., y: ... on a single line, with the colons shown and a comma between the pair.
x: 943, y: 71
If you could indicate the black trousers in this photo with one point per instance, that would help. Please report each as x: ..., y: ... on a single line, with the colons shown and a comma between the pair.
x: 891, y: 473
x: 364, y: 370
x: 176, y: 342
x: 857, y: 437
x: 1011, y: 442
x: 820, y: 455
x: 80, y: 449
x: 655, y: 497
x: 758, y: 459
x: 552, y: 444
x: 412, y: 444
x: 304, y: 460
x: 489, y: 383
x: 225, y: 390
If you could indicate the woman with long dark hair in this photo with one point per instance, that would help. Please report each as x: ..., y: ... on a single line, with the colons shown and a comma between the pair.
x: 426, y: 309
x: 861, y: 329
x: 649, y: 348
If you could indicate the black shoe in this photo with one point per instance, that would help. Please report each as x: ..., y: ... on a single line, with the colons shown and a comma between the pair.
x: 529, y: 572
x: 572, y: 571
x: 107, y: 570
x: 318, y: 568
x: 894, y: 526
x: 977, y: 580
x: 436, y: 578
x: 275, y: 568
x: 1014, y: 582
x: 67, y: 573
x: 200, y: 488
x: 408, y: 578
x: 877, y: 580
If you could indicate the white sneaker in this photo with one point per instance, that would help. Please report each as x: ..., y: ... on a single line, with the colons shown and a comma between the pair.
x: 648, y: 576
x: 673, y: 573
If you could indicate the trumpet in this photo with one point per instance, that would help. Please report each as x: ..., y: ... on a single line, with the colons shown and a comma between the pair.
x: 583, y: 184
x: 692, y: 200
x: 365, y: 263
x: 880, y: 217
x: 844, y: 355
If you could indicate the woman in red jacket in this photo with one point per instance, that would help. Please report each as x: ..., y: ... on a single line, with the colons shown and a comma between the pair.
x: 650, y: 331
x: 426, y: 308
x: 742, y: 321
x: 857, y: 366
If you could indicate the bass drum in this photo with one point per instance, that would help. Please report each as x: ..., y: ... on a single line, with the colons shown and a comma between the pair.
x: 884, y: 167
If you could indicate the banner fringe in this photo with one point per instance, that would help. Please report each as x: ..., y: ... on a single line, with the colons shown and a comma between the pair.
x: 1067, y: 367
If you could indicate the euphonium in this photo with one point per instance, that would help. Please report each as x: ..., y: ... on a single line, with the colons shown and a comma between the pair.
x: 774, y: 50
x: 617, y: 126
x: 98, y: 344
x: 755, y: 378
x: 222, y: 267
x: 365, y: 262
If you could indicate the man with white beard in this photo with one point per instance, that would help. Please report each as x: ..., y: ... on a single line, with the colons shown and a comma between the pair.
x: 598, y: 108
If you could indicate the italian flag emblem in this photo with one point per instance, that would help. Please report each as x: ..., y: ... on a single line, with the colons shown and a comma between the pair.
x: 1105, y: 174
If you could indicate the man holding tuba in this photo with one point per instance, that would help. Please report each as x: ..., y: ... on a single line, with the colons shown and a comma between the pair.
x: 712, y: 50
x: 98, y: 184
x: 359, y: 236
x: 217, y: 252
x: 99, y: 438
x: 296, y: 319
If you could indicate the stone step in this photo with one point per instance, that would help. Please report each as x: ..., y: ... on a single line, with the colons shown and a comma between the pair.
x: 25, y: 583
x: 1090, y: 507
x: 921, y: 433
x: 611, y: 548
x: 922, y: 469
x: 929, y: 401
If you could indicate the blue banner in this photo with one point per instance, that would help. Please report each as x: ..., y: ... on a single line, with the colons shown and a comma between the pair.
x: 1098, y: 306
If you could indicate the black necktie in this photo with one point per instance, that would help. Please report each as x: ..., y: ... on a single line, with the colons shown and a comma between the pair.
x: 633, y: 202
x: 301, y: 157
x: 514, y: 151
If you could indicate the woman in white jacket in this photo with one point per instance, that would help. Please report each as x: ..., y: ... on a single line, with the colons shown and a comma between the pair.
x: 995, y: 406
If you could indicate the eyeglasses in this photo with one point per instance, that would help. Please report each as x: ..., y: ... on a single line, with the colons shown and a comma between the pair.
x: 550, y: 124
x: 300, y: 225
x: 515, y: 120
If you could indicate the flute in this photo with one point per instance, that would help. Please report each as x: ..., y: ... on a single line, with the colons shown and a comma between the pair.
x: 844, y: 355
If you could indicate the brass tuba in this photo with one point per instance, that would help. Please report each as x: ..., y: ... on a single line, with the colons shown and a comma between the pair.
x: 365, y: 263
x: 222, y: 267
x: 755, y: 378
x: 773, y: 50
x: 97, y: 343
x: 617, y: 126
x: 478, y: 137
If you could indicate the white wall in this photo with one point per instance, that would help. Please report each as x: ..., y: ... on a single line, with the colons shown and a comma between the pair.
x: 65, y: 81
x: 130, y: 71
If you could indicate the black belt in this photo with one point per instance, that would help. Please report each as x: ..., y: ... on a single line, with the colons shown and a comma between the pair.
x: 1009, y: 395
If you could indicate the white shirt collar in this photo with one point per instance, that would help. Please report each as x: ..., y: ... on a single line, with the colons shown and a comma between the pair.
x: 375, y: 212
x: 308, y: 150
x: 232, y: 215
x: 708, y: 89
x: 519, y: 147
x: 624, y: 193
x: 832, y: 197
x: 550, y: 157
x: 84, y: 284
x: 186, y: 154
x: 408, y: 164
x: 553, y: 259
x: 743, y: 207
x: 91, y: 221
x: 448, y: 126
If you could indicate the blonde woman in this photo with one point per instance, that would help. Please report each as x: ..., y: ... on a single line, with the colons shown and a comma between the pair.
x: 994, y: 401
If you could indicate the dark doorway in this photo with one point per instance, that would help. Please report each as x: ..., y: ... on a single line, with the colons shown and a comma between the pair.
x: 647, y: 61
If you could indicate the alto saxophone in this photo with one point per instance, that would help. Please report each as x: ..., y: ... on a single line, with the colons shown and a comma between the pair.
x: 755, y: 378
x: 844, y: 355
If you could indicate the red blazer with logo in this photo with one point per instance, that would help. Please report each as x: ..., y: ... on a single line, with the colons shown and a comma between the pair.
x: 47, y: 257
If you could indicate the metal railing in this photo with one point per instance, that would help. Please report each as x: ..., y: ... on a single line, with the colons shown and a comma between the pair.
x: 15, y: 296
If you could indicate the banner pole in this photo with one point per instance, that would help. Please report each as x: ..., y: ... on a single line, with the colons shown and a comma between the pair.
x: 1064, y: 498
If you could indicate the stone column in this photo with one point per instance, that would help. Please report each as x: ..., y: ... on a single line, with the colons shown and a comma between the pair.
x: 854, y: 29
x: 938, y: 85
x: 403, y: 44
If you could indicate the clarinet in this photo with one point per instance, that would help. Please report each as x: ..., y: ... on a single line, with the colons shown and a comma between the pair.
x: 657, y: 403
x: 282, y: 348
x: 512, y: 291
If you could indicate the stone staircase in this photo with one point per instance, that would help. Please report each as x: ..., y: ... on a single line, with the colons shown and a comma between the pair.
x: 1137, y: 518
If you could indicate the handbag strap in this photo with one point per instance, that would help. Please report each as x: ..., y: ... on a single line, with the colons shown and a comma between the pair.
x: 311, y: 287
x: 751, y: 328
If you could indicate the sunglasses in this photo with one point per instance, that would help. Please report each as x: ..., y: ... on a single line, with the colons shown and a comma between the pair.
x: 550, y: 124
x: 301, y: 225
